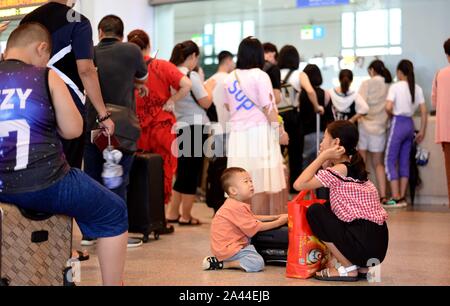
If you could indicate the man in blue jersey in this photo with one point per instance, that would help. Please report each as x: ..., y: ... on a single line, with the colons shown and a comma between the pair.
x: 72, y: 58
x: 36, y: 109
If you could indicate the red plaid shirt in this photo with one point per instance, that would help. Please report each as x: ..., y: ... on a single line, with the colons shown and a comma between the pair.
x: 352, y: 199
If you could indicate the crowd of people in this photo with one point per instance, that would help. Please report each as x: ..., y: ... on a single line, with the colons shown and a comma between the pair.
x: 265, y: 112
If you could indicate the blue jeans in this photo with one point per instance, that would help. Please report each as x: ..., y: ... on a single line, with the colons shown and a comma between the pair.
x: 98, y: 212
x: 310, y: 149
x: 249, y: 259
x: 93, y: 166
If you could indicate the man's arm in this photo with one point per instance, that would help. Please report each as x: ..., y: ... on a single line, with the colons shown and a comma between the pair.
x: 89, y: 77
x: 68, y: 119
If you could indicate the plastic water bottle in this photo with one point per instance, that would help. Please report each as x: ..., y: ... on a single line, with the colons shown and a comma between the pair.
x: 112, y: 174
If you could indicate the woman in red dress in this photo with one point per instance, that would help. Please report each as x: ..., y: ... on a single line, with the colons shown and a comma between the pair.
x: 155, y: 111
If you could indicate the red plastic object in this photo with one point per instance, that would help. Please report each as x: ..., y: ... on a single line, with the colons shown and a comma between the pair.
x: 306, y: 254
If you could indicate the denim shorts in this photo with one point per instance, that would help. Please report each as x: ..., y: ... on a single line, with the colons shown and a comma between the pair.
x: 249, y: 259
x: 99, y: 212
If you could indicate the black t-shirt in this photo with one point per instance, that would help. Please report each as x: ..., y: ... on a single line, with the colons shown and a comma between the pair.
x: 77, y: 33
x: 274, y: 73
x: 308, y: 116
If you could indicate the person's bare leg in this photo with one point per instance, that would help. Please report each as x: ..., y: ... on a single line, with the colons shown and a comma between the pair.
x: 111, y: 255
x: 395, y: 189
x: 173, y: 209
x: 260, y: 204
x: 341, y: 259
x: 363, y: 155
x: 378, y: 165
x: 186, y: 208
x: 403, y: 186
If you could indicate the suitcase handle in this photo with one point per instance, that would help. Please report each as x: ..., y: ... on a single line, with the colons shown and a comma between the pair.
x: 34, y: 215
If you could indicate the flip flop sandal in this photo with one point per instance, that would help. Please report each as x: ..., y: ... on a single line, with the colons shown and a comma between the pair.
x: 167, y: 229
x: 81, y: 256
x: 343, y: 275
x: 173, y: 220
x: 190, y: 222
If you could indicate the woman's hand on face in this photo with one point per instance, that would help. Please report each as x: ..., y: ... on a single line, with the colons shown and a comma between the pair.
x: 333, y: 153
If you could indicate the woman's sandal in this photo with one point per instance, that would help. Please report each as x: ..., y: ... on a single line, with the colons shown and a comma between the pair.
x: 173, y: 220
x: 80, y: 255
x: 324, y: 275
x: 191, y: 222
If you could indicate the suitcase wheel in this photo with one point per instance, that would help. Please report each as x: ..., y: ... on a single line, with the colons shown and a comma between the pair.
x: 156, y: 235
x: 4, y: 282
x: 145, y: 239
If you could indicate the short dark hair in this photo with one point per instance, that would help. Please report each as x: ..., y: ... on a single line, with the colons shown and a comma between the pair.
x: 112, y: 25
x: 227, y: 175
x: 447, y: 47
x: 139, y: 38
x: 289, y: 58
x: 270, y: 48
x: 223, y: 56
x: 314, y: 75
x: 250, y: 54
x: 182, y: 51
x: 27, y: 34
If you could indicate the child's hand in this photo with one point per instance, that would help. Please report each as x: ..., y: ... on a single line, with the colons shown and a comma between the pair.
x: 333, y: 153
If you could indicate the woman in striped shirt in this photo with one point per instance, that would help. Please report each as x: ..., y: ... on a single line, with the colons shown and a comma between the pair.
x: 353, y: 225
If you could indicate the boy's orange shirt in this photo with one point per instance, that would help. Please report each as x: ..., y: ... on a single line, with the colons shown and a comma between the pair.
x: 231, y: 229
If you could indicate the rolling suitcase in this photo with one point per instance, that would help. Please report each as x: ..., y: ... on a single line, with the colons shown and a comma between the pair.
x: 273, y: 245
x: 146, y: 196
x: 35, y: 249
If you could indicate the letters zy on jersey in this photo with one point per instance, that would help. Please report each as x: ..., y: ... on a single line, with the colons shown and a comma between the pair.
x: 240, y: 97
x: 8, y: 98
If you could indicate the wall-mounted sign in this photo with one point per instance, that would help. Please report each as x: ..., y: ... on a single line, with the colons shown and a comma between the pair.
x: 10, y: 9
x: 312, y: 33
x: 317, y: 3
x: 19, y: 3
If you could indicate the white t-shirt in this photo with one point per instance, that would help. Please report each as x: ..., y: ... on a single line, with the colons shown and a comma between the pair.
x: 218, y: 94
x: 400, y: 94
x: 187, y: 110
x: 248, y: 97
x: 290, y: 95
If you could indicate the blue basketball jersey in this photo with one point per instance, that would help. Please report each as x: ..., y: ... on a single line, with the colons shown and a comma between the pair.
x: 31, y: 154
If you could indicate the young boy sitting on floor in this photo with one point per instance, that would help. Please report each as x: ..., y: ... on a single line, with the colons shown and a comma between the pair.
x: 235, y: 224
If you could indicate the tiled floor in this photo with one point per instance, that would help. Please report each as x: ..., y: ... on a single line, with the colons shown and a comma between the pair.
x: 419, y: 254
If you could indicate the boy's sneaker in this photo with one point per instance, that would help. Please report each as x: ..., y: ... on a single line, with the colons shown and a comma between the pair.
x: 88, y: 241
x: 212, y: 263
x: 134, y: 242
x: 396, y: 203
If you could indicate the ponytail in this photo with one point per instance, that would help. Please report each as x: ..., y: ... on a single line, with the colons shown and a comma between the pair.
x: 346, y: 79
x: 348, y: 135
x: 379, y: 67
x: 407, y: 68
x: 182, y: 51
x: 358, y: 167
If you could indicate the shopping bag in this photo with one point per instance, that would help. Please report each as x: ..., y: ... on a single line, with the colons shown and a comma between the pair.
x: 306, y: 254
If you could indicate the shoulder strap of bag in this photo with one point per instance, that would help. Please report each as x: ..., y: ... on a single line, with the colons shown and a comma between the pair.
x: 240, y: 85
x: 284, y: 83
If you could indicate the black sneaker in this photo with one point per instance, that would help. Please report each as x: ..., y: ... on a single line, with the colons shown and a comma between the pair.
x: 212, y: 263
x: 134, y: 242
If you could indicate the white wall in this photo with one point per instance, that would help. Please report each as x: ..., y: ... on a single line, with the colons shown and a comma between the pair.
x: 136, y: 14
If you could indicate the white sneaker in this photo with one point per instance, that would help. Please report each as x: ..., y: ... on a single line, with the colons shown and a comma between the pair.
x: 88, y: 242
x: 396, y: 203
x: 134, y: 243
